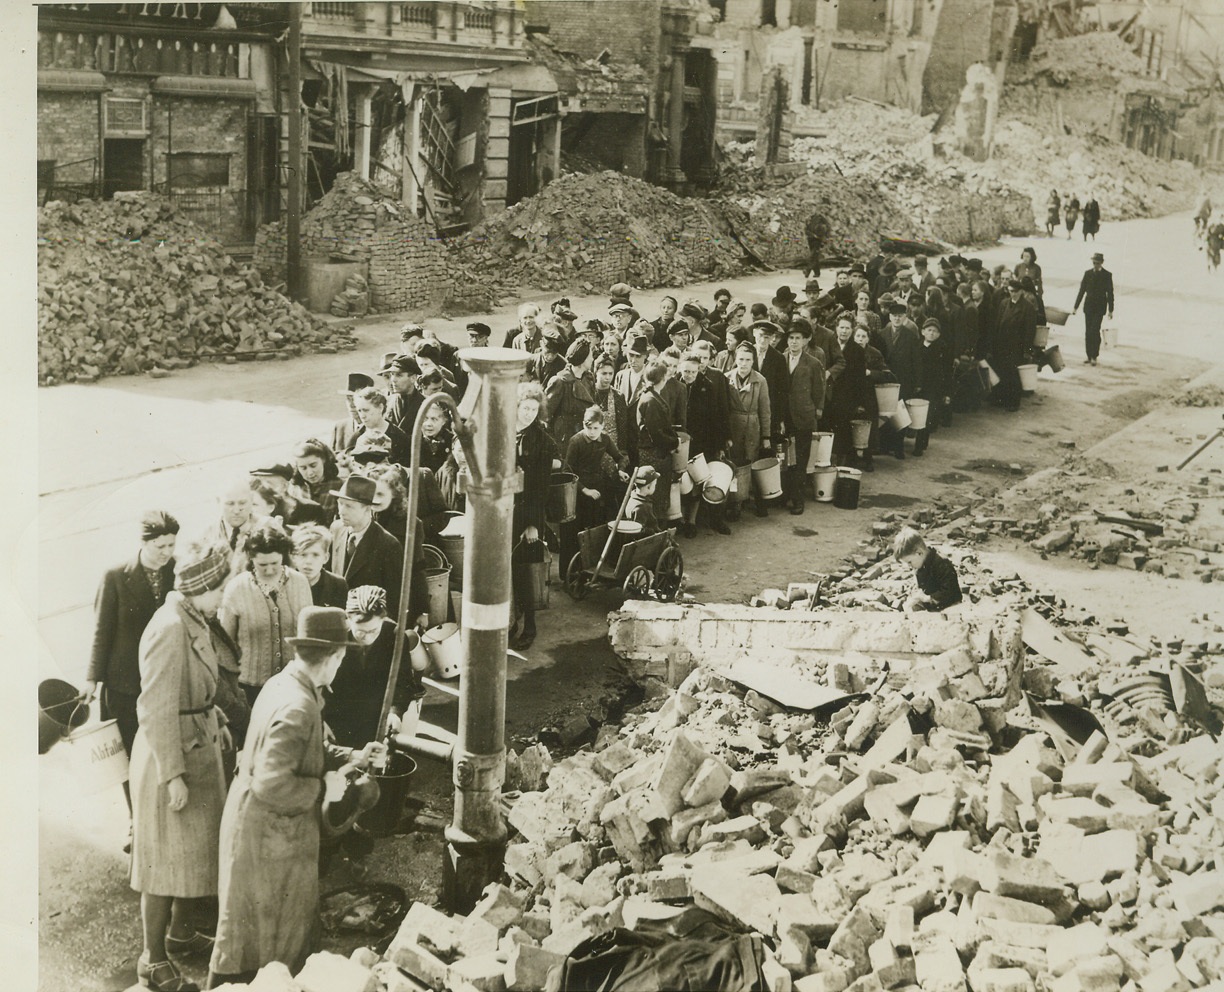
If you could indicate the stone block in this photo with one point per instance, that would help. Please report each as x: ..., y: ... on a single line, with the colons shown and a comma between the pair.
x: 745, y: 827
x: 794, y: 950
x: 1080, y: 858
x: 433, y: 929
x: 682, y: 824
x: 956, y: 714
x: 938, y: 967
x: 1083, y: 780
x: 899, y: 927
x: 1079, y: 811
x: 528, y: 968
x: 499, y: 906
x: 1031, y: 879
x: 535, y: 817
x: 791, y: 879
x: 1001, y: 980
x: 574, y: 861
x: 418, y: 962
x: 475, y: 936
x: 681, y: 761
x: 750, y: 901
x: 668, y: 886
x: 328, y: 972
x: 1073, y: 944
x: 1163, y: 976
x: 486, y: 972
x: 637, y: 775
x: 614, y: 759
x: 1036, y: 935
x: 1198, y: 894
x: 889, y: 745
x: 987, y: 904
x: 525, y: 862
x: 709, y: 783
x: 884, y: 813
x: 932, y: 814
x: 599, y: 887
x: 1102, y: 973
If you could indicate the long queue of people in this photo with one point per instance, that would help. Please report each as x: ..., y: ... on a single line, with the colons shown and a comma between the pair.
x: 280, y: 619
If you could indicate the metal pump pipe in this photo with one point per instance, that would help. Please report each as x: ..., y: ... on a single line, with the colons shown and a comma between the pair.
x: 476, y: 839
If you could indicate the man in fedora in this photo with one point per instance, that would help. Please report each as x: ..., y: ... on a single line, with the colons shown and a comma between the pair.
x: 362, y: 551
x: 1096, y: 292
x: 782, y: 306
x: 403, y: 398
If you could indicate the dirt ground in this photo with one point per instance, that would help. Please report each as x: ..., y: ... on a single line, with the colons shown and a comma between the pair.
x: 112, y: 449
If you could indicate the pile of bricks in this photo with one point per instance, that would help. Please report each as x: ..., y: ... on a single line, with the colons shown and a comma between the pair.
x: 128, y: 286
x: 357, y: 221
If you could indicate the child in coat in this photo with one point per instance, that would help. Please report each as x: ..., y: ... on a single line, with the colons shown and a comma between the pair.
x: 938, y: 585
x: 934, y: 380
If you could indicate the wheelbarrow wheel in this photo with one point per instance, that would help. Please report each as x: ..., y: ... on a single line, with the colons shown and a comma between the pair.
x: 637, y: 582
x: 577, y: 582
x: 669, y: 573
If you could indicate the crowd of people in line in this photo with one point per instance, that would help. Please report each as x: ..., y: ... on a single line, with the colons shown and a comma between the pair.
x: 270, y: 636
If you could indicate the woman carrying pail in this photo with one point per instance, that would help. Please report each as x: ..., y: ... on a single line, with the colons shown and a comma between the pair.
x: 535, y: 453
x: 268, y: 889
x: 177, y: 782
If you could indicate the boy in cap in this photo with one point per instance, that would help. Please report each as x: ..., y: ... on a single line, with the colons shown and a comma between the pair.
x: 403, y: 398
x: 641, y: 506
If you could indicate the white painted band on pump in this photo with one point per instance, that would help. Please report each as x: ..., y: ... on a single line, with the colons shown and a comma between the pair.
x: 487, y: 616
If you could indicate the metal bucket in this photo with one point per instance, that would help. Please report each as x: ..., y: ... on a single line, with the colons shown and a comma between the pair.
x: 1041, y: 336
x: 383, y: 817
x: 846, y: 488
x: 718, y: 484
x: 674, y: 512
x: 59, y: 711
x: 990, y: 378
x: 680, y: 455
x: 900, y: 417
x: 445, y: 647
x: 822, y: 450
x: 1053, y: 358
x: 824, y: 480
x: 767, y: 478
x: 562, y: 501
x: 418, y: 657
x: 1109, y: 335
x: 887, y: 395
x: 1028, y: 377
x: 451, y: 541
x: 1056, y: 315
x: 860, y: 434
x: 918, y: 410
x: 437, y: 587
x: 531, y: 583
x: 97, y: 755
x: 457, y: 607
x: 624, y: 532
x: 698, y: 470
x: 685, y: 482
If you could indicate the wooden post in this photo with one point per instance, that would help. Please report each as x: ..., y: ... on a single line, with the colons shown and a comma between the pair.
x: 411, y: 147
x: 293, y: 221
x: 365, y: 115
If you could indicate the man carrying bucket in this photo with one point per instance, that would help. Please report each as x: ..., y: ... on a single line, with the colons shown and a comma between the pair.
x: 1096, y: 292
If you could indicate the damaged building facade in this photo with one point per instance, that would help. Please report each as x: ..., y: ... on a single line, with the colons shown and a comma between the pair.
x: 437, y: 99
x: 636, y: 77
x: 176, y: 98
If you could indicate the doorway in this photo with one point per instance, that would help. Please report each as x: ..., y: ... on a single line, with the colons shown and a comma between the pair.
x: 122, y: 165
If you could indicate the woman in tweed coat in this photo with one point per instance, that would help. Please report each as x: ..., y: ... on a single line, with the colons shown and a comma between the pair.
x: 177, y: 784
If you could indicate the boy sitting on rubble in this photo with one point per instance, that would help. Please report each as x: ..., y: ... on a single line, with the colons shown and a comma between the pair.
x: 938, y: 586
x: 640, y: 506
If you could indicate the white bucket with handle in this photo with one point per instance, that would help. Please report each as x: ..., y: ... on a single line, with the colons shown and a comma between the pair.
x: 918, y: 410
x: 1109, y: 335
x: 98, y: 756
x: 445, y: 648
x: 887, y: 395
x: 698, y: 470
x: 1028, y: 377
x: 824, y: 480
x: 900, y: 418
x: 822, y: 450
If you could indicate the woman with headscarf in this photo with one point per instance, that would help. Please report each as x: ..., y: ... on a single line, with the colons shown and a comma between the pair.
x: 176, y: 777
x: 262, y: 604
x: 535, y: 453
x: 269, y: 835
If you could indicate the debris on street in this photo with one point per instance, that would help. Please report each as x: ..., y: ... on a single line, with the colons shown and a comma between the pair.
x: 128, y: 286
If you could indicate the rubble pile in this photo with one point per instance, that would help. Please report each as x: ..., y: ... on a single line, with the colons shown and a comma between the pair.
x: 128, y: 285
x: 592, y: 230
x: 1173, y: 526
x: 357, y: 220
x: 1092, y: 58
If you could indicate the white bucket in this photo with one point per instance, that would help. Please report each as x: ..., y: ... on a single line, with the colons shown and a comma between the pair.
x: 887, y: 395
x: 992, y: 377
x: 97, y: 755
x: 445, y: 648
x: 1054, y: 359
x: 719, y: 482
x: 698, y: 470
x: 900, y: 417
x: 1041, y: 336
x: 685, y: 482
x: 822, y: 450
x: 673, y: 506
x: 860, y: 434
x: 767, y: 478
x: 1028, y: 377
x: 680, y: 455
x: 824, y: 479
x: 1109, y: 335
x: 418, y: 657
x: 918, y: 410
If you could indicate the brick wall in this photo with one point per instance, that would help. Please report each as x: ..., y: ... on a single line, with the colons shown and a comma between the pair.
x: 628, y: 28
x: 615, y: 140
x: 68, y: 126
x: 962, y: 37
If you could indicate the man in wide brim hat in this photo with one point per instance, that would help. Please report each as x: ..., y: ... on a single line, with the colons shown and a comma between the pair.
x: 784, y: 297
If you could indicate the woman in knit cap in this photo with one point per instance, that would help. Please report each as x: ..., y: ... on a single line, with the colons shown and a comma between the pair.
x: 178, y: 787
x: 568, y: 394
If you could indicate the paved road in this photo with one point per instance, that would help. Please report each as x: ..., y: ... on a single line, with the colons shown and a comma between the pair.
x: 110, y: 450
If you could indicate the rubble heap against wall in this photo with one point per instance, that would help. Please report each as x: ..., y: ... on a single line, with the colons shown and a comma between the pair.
x: 128, y: 285
x: 358, y: 221
x: 1092, y: 58
x: 587, y: 231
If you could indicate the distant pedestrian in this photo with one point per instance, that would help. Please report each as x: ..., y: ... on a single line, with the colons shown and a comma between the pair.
x: 816, y: 230
x: 1053, y: 212
x: 1215, y: 240
x: 1071, y: 215
x: 1202, y: 215
x: 1096, y: 292
x: 1092, y: 217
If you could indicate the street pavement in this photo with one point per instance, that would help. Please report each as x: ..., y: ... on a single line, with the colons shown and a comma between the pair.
x: 110, y: 450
